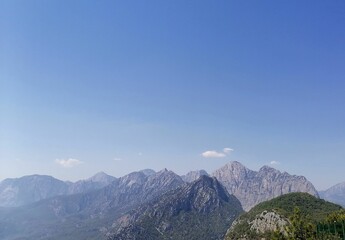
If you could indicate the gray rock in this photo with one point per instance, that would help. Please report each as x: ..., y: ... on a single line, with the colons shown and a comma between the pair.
x: 252, y: 187
x: 268, y: 221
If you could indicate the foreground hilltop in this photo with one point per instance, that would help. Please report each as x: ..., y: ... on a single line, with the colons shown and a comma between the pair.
x: 272, y: 218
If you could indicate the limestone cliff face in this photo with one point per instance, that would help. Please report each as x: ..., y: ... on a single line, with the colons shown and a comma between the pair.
x: 266, y: 221
x: 252, y: 187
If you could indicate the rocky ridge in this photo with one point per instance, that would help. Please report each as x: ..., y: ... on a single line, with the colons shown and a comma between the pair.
x: 15, y: 192
x: 193, y: 175
x: 86, y: 214
x: 202, y: 209
x: 252, y: 187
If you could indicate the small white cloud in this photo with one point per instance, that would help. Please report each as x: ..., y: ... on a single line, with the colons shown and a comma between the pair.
x: 228, y: 150
x: 213, y: 154
x: 68, y: 163
x: 274, y: 163
x: 117, y: 159
x: 140, y: 154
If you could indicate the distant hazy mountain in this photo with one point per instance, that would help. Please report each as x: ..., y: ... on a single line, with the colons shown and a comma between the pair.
x: 335, y: 194
x: 273, y: 215
x: 252, y: 187
x: 20, y: 191
x: 148, y: 172
x: 29, y: 189
x: 97, y: 181
x: 202, y: 209
x: 86, y: 215
x: 193, y: 175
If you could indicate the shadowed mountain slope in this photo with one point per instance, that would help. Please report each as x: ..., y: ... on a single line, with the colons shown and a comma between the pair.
x: 202, y: 209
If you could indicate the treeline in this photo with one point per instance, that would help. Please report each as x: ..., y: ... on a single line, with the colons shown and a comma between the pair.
x: 301, y: 227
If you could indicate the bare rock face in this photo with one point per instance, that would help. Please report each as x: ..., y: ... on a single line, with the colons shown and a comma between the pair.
x: 252, y: 187
x: 194, y: 175
x: 268, y: 221
x: 335, y: 194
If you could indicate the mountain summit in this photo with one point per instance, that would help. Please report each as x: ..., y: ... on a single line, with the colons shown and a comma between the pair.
x: 252, y: 187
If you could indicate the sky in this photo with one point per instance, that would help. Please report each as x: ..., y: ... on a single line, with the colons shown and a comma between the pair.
x: 119, y: 86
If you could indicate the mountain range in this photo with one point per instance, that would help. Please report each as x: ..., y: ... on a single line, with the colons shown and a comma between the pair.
x: 87, y: 213
x: 15, y: 192
x: 202, y: 209
x: 42, y: 207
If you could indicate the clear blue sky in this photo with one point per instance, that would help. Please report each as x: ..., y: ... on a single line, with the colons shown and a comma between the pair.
x: 124, y: 85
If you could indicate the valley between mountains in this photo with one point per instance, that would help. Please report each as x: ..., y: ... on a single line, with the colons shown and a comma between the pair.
x: 229, y: 203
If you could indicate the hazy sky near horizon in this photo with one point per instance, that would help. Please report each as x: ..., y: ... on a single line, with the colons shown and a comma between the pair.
x: 118, y: 86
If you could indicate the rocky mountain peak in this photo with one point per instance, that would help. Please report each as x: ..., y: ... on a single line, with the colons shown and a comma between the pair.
x: 132, y: 178
x: 232, y: 174
x: 266, y: 168
x: 148, y: 172
x: 193, y: 175
x: 164, y: 170
x: 234, y: 169
x: 235, y: 165
x: 206, y: 193
x: 101, y: 177
x: 201, y: 195
x: 162, y: 179
x: 252, y: 187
